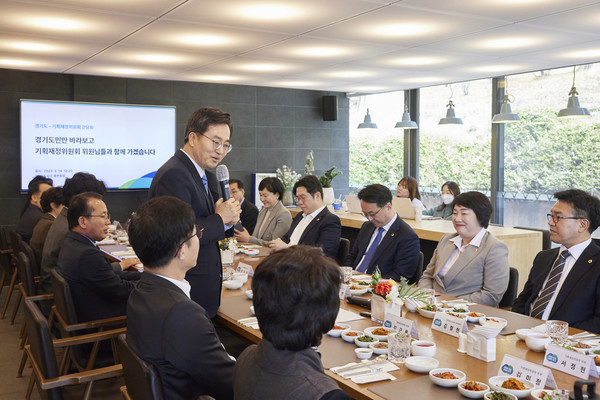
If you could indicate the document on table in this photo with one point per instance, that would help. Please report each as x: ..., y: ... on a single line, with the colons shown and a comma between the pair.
x: 345, y: 316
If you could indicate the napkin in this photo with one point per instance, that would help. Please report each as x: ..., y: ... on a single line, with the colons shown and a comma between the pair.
x: 345, y: 316
x: 123, y: 253
x: 251, y: 322
x: 382, y: 376
x: 366, y: 373
x: 487, y: 331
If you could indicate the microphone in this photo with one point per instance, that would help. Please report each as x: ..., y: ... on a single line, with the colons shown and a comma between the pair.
x: 223, y: 178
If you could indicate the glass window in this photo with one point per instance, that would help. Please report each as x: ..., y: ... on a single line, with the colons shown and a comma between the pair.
x: 460, y: 153
x: 376, y: 155
x: 544, y: 154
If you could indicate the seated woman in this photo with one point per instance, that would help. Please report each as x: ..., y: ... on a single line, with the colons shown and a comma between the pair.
x: 449, y: 191
x: 296, y: 301
x: 408, y: 188
x: 274, y: 220
x: 471, y: 263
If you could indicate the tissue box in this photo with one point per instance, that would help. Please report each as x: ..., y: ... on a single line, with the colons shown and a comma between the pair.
x: 480, y: 347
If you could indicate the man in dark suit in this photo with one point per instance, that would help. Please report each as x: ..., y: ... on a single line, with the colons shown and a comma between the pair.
x: 316, y: 225
x: 564, y: 283
x: 185, y: 176
x: 384, y: 241
x: 249, y: 210
x: 98, y: 290
x: 32, y: 212
x: 164, y: 326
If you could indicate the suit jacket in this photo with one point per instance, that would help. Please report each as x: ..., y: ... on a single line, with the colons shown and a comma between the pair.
x: 98, y: 291
x: 578, y: 301
x: 276, y: 225
x: 249, y: 215
x: 178, y: 177
x: 397, y: 254
x: 172, y: 332
x: 480, y: 274
x: 39, y: 236
x: 28, y: 220
x: 51, y: 250
x: 324, y: 230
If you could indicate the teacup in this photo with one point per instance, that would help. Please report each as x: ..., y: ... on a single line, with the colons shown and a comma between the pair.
x: 423, y: 348
x: 537, y: 341
x: 240, y: 276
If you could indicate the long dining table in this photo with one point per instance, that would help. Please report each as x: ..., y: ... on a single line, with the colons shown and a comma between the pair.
x: 235, y: 305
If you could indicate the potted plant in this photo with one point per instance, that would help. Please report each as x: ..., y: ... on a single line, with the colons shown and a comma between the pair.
x: 288, y: 178
x: 326, y: 179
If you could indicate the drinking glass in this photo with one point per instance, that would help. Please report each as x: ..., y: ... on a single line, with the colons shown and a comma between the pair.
x: 560, y: 394
x: 558, y: 331
x: 430, y: 298
x: 398, y: 347
x: 347, y: 273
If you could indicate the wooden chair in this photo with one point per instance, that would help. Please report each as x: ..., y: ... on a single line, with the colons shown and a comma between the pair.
x: 27, y: 274
x: 5, y: 257
x: 41, y: 352
x: 15, y: 239
x: 141, y: 378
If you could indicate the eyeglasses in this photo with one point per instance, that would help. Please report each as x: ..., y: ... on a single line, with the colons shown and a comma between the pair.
x: 556, y: 218
x: 218, y: 145
x: 103, y: 216
x: 371, y: 215
x: 198, y: 233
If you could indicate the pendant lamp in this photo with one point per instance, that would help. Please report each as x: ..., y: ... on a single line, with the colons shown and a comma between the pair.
x: 573, y: 110
x: 505, y: 115
x: 451, y: 118
x: 367, y: 122
x: 406, y: 123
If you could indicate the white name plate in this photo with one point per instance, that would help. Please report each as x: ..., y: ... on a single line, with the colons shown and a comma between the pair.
x: 401, y: 325
x: 570, y: 362
x: 518, y: 368
x: 449, y: 324
x: 245, y: 268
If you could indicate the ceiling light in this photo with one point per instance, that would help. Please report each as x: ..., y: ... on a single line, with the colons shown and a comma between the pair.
x: 505, y: 115
x: 269, y: 12
x: 495, y: 68
x: 349, y: 74
x: 418, y: 61
x: 58, y: 24
x: 406, y: 122
x: 573, y: 109
x: 321, y: 52
x: 16, y: 63
x: 158, y: 58
x: 219, y: 78
x: 451, y: 118
x: 125, y: 71
x: 32, y: 46
x: 367, y: 123
x: 404, y: 29
x: 262, y: 67
x: 509, y: 43
x: 204, y: 40
x: 590, y: 53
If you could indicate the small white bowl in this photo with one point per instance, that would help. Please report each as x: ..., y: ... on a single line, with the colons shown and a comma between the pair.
x: 475, y: 319
x: 460, y: 377
x: 350, y: 339
x: 379, y: 350
x: 497, y: 381
x: 363, y: 353
x: 240, y: 276
x: 487, y: 395
x: 424, y: 348
x: 425, y: 313
x: 522, y: 333
x: 493, y: 321
x: 252, y: 310
x: 123, y: 239
x: 338, y: 332
x: 473, y: 394
x: 420, y: 364
x: 382, y: 338
x: 537, y: 341
x: 233, y: 284
x: 249, y: 294
x: 365, y: 344
x: 251, y: 252
x: 359, y: 292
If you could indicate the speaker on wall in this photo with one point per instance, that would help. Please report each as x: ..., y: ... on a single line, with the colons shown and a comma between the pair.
x: 330, y: 108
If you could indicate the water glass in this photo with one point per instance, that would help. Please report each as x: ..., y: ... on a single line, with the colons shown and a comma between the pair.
x: 430, y: 298
x: 560, y: 394
x: 398, y: 347
x: 558, y: 331
x: 347, y: 274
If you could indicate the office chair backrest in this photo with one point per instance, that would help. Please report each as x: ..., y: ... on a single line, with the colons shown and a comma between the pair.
x: 25, y: 274
x: 141, y: 378
x: 42, y: 349
x: 511, y: 292
x: 26, y: 248
x: 62, y: 297
x: 343, y: 250
x: 419, y: 270
x: 546, y: 242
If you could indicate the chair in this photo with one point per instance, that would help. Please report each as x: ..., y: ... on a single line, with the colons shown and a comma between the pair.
x: 511, y: 292
x: 41, y: 353
x: 141, y: 378
x: 66, y: 317
x: 27, y: 275
x: 15, y: 239
x: 546, y: 243
x: 5, y: 256
x: 419, y: 270
x: 343, y: 250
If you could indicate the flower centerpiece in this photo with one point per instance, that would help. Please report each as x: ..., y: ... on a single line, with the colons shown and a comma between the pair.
x: 288, y: 178
x: 228, y: 247
x: 391, y: 296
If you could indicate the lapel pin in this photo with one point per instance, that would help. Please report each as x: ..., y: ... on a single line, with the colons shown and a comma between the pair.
x: 590, y: 261
x: 393, y: 234
x: 475, y: 250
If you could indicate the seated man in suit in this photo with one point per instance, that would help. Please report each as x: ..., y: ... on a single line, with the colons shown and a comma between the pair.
x: 249, y: 210
x: 564, y: 283
x: 316, y: 225
x: 32, y: 212
x: 384, y: 240
x: 98, y: 290
x: 164, y: 326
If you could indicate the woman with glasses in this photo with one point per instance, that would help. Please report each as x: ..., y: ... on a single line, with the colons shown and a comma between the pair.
x: 273, y: 220
x: 449, y: 191
x: 408, y: 188
x: 471, y: 263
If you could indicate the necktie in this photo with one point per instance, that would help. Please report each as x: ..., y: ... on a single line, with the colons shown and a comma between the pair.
x: 539, y: 305
x: 205, y: 182
x: 364, y: 265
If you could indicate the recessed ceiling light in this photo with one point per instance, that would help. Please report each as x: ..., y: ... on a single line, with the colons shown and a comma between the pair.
x: 125, y: 71
x: 349, y: 74
x: 16, y: 63
x: 508, y: 43
x: 262, y: 67
x: 418, y: 61
x: 220, y: 78
x: 157, y: 58
x: 204, y: 40
x: 321, y: 51
x: 31, y: 46
x: 57, y: 24
x: 269, y: 12
x: 408, y: 29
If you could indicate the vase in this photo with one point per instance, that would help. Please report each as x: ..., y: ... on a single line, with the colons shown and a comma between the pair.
x: 328, y: 195
x: 227, y: 257
x: 379, y: 308
x: 288, y: 198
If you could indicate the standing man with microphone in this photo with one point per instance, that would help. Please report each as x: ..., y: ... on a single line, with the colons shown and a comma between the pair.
x: 185, y: 176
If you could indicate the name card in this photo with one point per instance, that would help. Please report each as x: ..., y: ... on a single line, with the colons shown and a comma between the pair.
x: 401, y: 325
x: 245, y: 268
x: 518, y: 368
x: 570, y: 362
x: 449, y: 324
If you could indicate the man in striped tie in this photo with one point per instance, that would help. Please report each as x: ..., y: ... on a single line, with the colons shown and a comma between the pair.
x: 564, y: 282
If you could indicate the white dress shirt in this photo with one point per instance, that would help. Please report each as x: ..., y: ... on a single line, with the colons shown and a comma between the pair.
x: 183, y: 284
x: 301, y: 227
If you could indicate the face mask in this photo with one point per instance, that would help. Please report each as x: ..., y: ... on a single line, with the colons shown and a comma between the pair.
x: 447, y: 198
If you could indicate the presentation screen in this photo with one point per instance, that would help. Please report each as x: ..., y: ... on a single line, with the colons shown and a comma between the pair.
x: 121, y: 144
